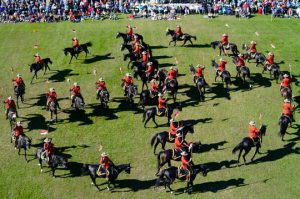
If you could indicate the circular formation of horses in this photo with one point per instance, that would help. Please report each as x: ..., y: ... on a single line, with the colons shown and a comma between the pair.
x: 159, y: 88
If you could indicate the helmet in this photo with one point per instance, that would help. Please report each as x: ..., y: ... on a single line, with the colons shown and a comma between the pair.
x: 149, y: 63
x: 225, y: 35
x: 240, y: 55
x: 76, y: 84
x: 48, y: 140
x: 144, y: 52
x: 101, y: 79
x: 19, y: 75
x: 286, y: 101
x: 51, y: 89
x: 19, y: 124
x: 9, y: 98
x: 184, y: 153
x: 104, y: 154
x: 270, y: 53
x: 285, y: 75
x: 252, y: 123
x: 253, y: 42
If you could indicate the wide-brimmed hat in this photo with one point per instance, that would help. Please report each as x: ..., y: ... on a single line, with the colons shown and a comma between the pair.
x: 128, y: 74
x: 48, y: 140
x: 144, y: 52
x: 225, y: 35
x: 240, y: 55
x: 51, y: 89
x: 252, y: 123
x: 160, y: 94
x: 101, y: 79
x: 285, y: 75
x: 253, y: 42
x: 36, y: 54
x: 173, y: 120
x: 270, y: 53
x: 104, y: 154
x: 149, y: 63
x: 9, y: 98
x: 76, y: 84
x: 171, y: 68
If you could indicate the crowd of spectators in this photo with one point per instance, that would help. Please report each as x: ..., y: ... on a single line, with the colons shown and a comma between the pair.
x: 12, y: 11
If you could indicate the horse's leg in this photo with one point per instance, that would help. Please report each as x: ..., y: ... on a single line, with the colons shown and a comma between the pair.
x: 256, y: 150
x: 41, y: 164
x: 25, y: 155
x: 94, y: 182
x: 155, y: 146
x: 19, y: 151
x: 71, y: 59
x: 170, y: 42
x: 147, y: 120
x: 238, y: 160
x: 246, y: 152
x: 191, y: 41
x: 53, y: 171
x: 153, y: 119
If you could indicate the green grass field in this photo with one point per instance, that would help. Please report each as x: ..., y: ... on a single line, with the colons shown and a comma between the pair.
x: 222, y: 117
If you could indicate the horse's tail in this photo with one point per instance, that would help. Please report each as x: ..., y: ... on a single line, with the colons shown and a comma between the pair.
x: 153, y: 139
x: 144, y: 115
x: 194, y: 37
x: 88, y: 44
x: 50, y: 61
x: 238, y: 147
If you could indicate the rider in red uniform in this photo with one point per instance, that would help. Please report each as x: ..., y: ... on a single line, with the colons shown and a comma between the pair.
x: 149, y: 71
x: 49, y: 150
x: 52, y: 97
x: 154, y: 87
x: 174, y: 126
x: 178, y: 32
x: 270, y: 60
x: 105, y: 165
x: 145, y: 57
x: 240, y: 63
x: 186, y: 163
x: 162, y: 108
x: 75, y: 44
x: 75, y: 92
x: 180, y: 142
x: 19, y: 81
x: 37, y: 58
x: 127, y: 80
x: 224, y: 41
x: 199, y: 72
x: 101, y: 86
x: 254, y: 132
x: 287, y: 109
x: 130, y: 32
x: 221, y: 66
x: 10, y: 105
x: 18, y: 129
x: 286, y: 81
x: 252, y: 49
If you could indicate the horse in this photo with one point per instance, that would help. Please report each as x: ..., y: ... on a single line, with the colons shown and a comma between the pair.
x: 185, y: 37
x: 116, y: 170
x: 145, y: 98
x: 132, y: 58
x: 127, y: 39
x: 81, y: 48
x: 247, y: 143
x: 163, y: 137
x: 231, y: 46
x: 78, y: 103
x: 56, y: 161
x: 104, y: 98
x: 19, y: 92
x: 286, y: 93
x: 168, y: 176
x: 259, y: 58
x: 161, y: 76
x: 23, y: 142
x: 274, y: 70
x: 166, y: 156
x: 53, y: 110
x: 12, y: 116
x: 225, y: 75
x: 131, y: 92
x: 284, y: 121
x: 43, y: 65
x: 150, y: 113
x: 200, y: 83
x: 143, y: 77
x: 172, y: 88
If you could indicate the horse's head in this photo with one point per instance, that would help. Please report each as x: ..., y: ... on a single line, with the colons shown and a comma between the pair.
x: 263, y: 129
x: 66, y: 51
x: 189, y: 127
x: 214, y: 63
x: 192, y: 69
x: 196, y: 147
x: 31, y: 66
x: 213, y: 44
x: 128, y: 169
x: 168, y: 32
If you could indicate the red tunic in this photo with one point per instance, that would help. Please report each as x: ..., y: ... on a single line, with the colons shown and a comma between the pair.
x: 49, y: 148
x: 222, y: 66
x: 101, y: 85
x: 19, y: 81
x: 240, y: 62
x: 178, y: 143
x: 52, y: 96
x: 75, y: 90
x: 161, y: 102
x: 18, y: 131
x: 105, y: 162
x: 75, y: 43
x: 199, y: 72
x: 185, y: 163
x: 136, y: 40
x: 154, y: 87
x: 137, y: 49
x: 224, y: 40
x: 178, y: 31
x: 130, y: 31
x: 253, y: 132
x: 127, y: 80
x: 37, y: 59
x: 10, y: 104
x: 270, y: 59
x: 173, y: 128
x: 145, y: 58
x: 150, y: 69
x: 286, y: 82
x: 287, y: 109
x: 253, y: 48
x: 172, y: 74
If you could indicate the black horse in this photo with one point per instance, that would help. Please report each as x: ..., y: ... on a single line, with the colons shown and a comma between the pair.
x: 56, y: 161
x: 127, y: 39
x: 225, y: 75
x: 161, y: 76
x: 116, y: 170
x: 286, y: 93
x: 132, y: 58
x: 150, y: 113
x: 163, y: 137
x: 53, y: 110
x: 23, y: 142
x: 166, y: 156
x: 43, y: 65
x: 274, y: 70
x: 284, y: 121
x: 200, y: 83
x: 146, y: 98
x: 19, y: 92
x: 258, y: 57
x: 247, y: 143
x: 131, y: 92
x: 81, y: 48
x: 104, y: 98
x: 168, y: 176
x: 172, y: 88
x: 185, y: 37
x: 231, y: 46
x: 142, y: 75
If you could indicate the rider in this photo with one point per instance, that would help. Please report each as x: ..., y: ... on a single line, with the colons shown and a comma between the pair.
x: 221, y: 66
x: 162, y: 108
x: 18, y: 129
x: 10, y: 104
x: 269, y: 60
x: 149, y: 71
x: 240, y: 63
x: 75, y: 92
x: 286, y: 81
x: 101, y: 86
x: 105, y: 165
x: 49, y: 150
x: 37, y: 58
x: 130, y: 31
x: 252, y: 49
x: 224, y: 41
x: 52, y: 97
x: 137, y: 49
x: 288, y: 109
x: 174, y: 126
x: 75, y: 44
x: 199, y: 72
x: 127, y: 81
x: 19, y: 81
x: 178, y: 32
x: 135, y: 40
x: 154, y: 87
x: 180, y: 142
x: 186, y: 163
x: 172, y: 74
x: 145, y: 57
x: 254, y: 132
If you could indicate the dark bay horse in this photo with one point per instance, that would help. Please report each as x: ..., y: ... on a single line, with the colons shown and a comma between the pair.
x: 284, y: 122
x: 23, y: 142
x: 232, y: 47
x: 55, y: 162
x: 172, y: 88
x: 225, y: 75
x: 19, y: 92
x: 166, y: 156
x: 44, y: 65
x: 185, y: 37
x: 127, y: 39
x: 150, y: 113
x: 161, y: 76
x: 78, y: 103
x: 168, y: 176
x: 163, y: 137
x: 247, y: 143
x: 146, y: 98
x: 12, y: 116
x: 92, y: 169
x: 200, y: 83
x: 142, y: 75
x: 53, y: 110
x: 74, y: 53
x: 274, y: 71
x: 258, y: 57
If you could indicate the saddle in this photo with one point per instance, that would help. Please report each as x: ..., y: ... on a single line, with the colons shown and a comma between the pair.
x: 182, y: 173
x: 176, y: 154
x: 101, y: 172
x: 255, y: 141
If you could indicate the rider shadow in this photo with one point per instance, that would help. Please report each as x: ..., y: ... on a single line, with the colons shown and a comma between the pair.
x: 133, y: 185
x: 75, y: 170
x: 158, y: 47
x: 260, y: 81
x: 192, y: 93
x: 241, y: 86
x: 97, y: 58
x: 78, y: 116
x: 215, y: 146
x: 195, y: 122
x: 276, y: 154
x: 98, y: 110
x: 215, y: 166
x: 198, y: 46
x: 297, y: 133
x: 220, y: 92
x: 61, y: 75
x: 164, y: 65
x: 41, y: 101
x: 124, y: 105
x: 37, y: 121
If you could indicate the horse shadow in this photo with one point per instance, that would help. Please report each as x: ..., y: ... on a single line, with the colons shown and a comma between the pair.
x: 197, y: 46
x: 41, y: 101
x: 98, y: 110
x: 158, y: 47
x: 163, y: 65
x: 61, y: 75
x: 125, y: 106
x: 260, y: 81
x: 220, y: 92
x: 97, y: 58
x: 37, y: 121
x: 200, y: 120
x: 215, y: 146
x: 133, y: 185
x: 192, y: 93
x: 78, y: 116
x: 241, y: 86
x: 276, y: 154
x: 162, y: 57
x: 215, y: 166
